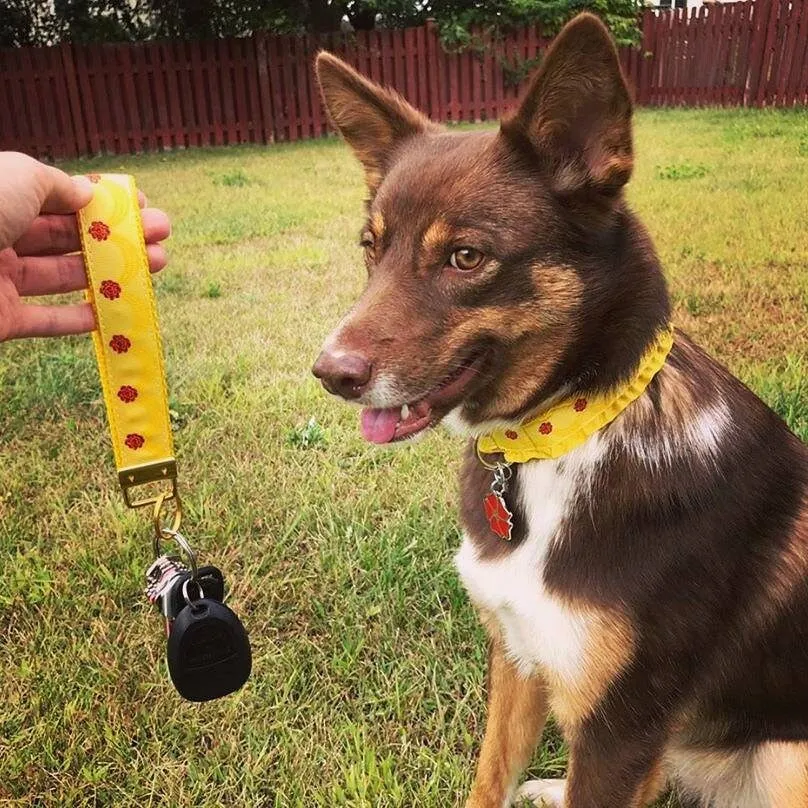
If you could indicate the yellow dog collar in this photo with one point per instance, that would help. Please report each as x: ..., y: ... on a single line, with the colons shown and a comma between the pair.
x: 568, y: 424
x: 558, y: 430
x: 127, y: 338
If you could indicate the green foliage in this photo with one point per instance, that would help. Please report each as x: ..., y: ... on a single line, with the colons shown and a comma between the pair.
x: 457, y: 19
x: 307, y: 436
x: 516, y: 69
x: 26, y: 23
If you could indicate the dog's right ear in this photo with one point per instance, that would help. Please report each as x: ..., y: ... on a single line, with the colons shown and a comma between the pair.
x: 373, y: 120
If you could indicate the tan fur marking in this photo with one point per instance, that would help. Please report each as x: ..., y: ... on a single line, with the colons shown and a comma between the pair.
x: 785, y: 771
x: 377, y: 224
x: 436, y: 236
x: 609, y: 649
x: 543, y: 323
x: 774, y: 775
x: 652, y: 788
x: 517, y: 711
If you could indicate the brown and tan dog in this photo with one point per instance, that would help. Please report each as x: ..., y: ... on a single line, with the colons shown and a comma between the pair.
x: 654, y: 592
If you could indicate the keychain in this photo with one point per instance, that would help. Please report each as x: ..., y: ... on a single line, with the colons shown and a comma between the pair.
x: 207, y: 648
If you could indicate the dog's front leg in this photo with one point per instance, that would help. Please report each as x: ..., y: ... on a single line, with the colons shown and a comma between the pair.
x: 517, y: 710
x: 615, y: 761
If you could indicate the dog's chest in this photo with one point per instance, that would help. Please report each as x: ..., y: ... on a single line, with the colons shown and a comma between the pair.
x: 540, y: 628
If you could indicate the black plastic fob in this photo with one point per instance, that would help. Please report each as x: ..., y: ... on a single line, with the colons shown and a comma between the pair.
x: 208, y: 651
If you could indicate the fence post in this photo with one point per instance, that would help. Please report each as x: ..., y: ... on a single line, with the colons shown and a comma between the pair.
x: 79, y: 138
x: 437, y: 105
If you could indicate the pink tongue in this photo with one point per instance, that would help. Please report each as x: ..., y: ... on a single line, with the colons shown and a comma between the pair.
x: 379, y: 425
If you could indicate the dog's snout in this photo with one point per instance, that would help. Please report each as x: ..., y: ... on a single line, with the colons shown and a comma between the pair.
x: 343, y: 374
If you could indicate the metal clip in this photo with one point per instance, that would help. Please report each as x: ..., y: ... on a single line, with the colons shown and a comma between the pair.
x: 135, y: 476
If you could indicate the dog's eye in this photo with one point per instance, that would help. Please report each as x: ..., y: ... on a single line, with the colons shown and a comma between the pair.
x: 466, y: 258
x: 367, y: 243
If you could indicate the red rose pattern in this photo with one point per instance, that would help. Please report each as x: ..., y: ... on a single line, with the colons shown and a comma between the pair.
x: 134, y: 441
x: 546, y: 428
x: 99, y: 231
x: 95, y: 178
x: 110, y: 289
x: 127, y: 394
x: 511, y: 434
x: 119, y: 343
x: 579, y: 405
x: 498, y: 515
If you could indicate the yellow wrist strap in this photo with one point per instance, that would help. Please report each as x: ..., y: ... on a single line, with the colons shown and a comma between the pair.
x: 127, y: 338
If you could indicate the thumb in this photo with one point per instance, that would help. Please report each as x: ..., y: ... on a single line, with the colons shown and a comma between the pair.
x: 64, y: 194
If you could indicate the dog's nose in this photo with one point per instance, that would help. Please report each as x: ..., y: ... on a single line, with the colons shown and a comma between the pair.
x: 343, y: 374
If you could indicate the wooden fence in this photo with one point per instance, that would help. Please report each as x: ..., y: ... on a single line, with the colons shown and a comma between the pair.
x: 74, y: 100
x: 745, y: 53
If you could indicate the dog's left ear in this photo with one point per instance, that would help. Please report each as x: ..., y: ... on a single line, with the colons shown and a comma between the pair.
x: 576, y: 114
x: 373, y: 120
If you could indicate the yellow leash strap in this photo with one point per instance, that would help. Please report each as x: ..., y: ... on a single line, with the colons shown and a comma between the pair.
x: 127, y: 340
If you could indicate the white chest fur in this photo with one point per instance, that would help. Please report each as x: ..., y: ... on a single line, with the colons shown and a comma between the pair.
x: 540, y: 630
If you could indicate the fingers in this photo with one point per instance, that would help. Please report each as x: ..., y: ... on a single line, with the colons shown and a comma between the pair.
x: 57, y: 274
x: 55, y: 321
x: 55, y: 235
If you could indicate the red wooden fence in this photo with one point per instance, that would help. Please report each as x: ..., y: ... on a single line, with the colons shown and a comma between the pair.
x: 745, y: 53
x: 76, y: 100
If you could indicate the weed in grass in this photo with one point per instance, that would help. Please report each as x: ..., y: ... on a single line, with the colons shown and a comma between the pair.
x: 802, y: 149
x: 233, y: 179
x: 681, y: 171
x: 308, y: 436
x: 699, y: 304
x: 213, y: 290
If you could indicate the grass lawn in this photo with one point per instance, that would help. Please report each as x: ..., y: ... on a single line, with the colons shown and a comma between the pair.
x: 368, y: 660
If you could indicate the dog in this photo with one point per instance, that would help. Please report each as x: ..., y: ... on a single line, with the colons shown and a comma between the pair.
x: 635, y: 519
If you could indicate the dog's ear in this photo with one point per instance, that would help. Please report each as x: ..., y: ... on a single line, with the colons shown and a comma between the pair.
x: 576, y: 114
x: 373, y: 120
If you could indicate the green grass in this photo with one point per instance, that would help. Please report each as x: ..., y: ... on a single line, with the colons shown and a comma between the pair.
x: 369, y: 662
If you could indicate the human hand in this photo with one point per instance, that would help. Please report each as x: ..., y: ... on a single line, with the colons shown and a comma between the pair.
x: 38, y: 231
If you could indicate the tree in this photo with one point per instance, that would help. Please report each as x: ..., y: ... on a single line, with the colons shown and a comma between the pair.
x: 23, y: 22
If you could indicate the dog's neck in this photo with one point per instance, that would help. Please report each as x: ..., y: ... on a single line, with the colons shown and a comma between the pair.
x: 634, y: 307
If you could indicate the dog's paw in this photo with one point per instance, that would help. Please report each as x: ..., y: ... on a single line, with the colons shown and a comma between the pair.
x: 542, y: 793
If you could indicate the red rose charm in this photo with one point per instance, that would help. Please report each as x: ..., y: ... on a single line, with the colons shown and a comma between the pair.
x: 510, y: 434
x: 127, y: 394
x: 579, y: 405
x: 119, y: 343
x: 99, y: 231
x: 110, y: 289
x: 134, y: 441
x: 546, y: 428
x: 498, y: 516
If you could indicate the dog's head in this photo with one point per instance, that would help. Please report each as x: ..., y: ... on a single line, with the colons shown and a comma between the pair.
x: 490, y: 255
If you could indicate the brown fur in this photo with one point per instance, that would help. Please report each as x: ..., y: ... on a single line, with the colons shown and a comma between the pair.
x: 685, y: 560
x: 517, y: 711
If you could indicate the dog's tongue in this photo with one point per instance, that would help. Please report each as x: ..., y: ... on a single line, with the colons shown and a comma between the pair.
x: 379, y: 425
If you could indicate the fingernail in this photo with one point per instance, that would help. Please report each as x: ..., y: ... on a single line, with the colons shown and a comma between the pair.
x: 83, y: 184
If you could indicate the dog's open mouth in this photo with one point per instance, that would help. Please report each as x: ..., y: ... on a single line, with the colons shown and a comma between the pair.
x: 389, y: 424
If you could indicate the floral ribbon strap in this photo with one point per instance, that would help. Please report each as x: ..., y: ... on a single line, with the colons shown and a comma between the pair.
x: 127, y: 338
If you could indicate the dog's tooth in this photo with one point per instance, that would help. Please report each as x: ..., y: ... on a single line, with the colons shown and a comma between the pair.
x: 405, y: 412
